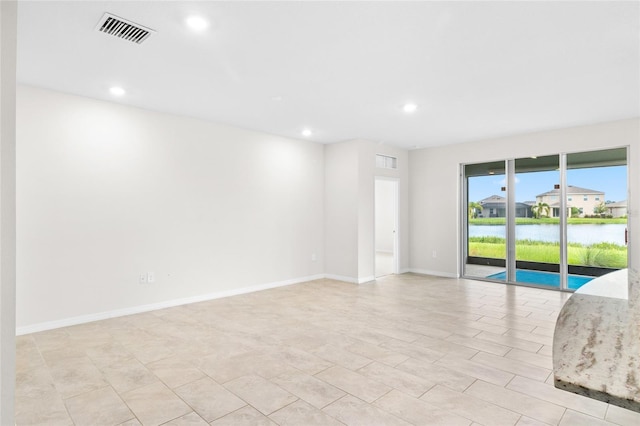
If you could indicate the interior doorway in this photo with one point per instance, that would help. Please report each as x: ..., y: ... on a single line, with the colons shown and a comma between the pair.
x: 386, y: 226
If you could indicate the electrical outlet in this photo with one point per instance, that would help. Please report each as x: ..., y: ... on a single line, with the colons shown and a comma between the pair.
x: 434, y: 254
x: 314, y: 257
x: 151, y: 277
x: 143, y: 278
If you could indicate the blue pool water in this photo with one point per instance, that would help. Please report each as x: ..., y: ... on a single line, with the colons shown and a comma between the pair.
x: 551, y: 279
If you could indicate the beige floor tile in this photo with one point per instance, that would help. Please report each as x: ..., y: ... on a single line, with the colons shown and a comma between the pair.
x: 418, y: 412
x: 512, y: 366
x: 62, y: 356
x: 262, y: 394
x: 128, y: 374
x: 312, y: 390
x: 528, y: 421
x: 75, y: 376
x: 509, y: 323
x: 98, y: 407
x: 398, y: 332
x: 340, y: 356
x: 622, y: 416
x: 573, y: 418
x: 209, y: 399
x: 155, y: 404
x: 132, y: 422
x: 297, y: 337
x: 536, y: 338
x: 353, y: 383
x: 191, y: 419
x: 43, y: 408
x: 354, y: 412
x: 479, y: 345
x: 477, y: 370
x: 52, y: 339
x: 401, y: 380
x: 377, y: 353
x: 548, y: 393
x: 483, y: 326
x: 446, y: 347
x: 175, y: 371
x: 108, y: 354
x: 304, y: 361
x: 151, y: 350
x: 546, y: 351
x: 34, y: 382
x: 545, y: 331
x: 438, y: 374
x: 470, y: 407
x: 517, y: 402
x: 223, y: 370
x: 27, y: 354
x: 301, y: 413
x: 537, y: 359
x: 245, y: 416
x: 413, y: 350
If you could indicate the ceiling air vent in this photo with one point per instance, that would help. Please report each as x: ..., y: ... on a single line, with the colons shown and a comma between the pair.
x: 121, y: 28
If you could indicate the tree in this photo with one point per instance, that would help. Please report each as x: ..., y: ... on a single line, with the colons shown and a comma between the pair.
x: 540, y: 209
x: 474, y: 208
x: 600, y: 209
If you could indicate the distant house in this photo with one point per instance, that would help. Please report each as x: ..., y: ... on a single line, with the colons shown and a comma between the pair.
x: 618, y: 209
x: 583, y: 199
x: 495, y: 206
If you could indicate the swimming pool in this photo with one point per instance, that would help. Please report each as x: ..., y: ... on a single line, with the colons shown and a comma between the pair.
x: 551, y: 279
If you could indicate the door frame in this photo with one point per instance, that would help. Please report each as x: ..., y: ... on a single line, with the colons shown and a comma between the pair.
x: 395, y: 266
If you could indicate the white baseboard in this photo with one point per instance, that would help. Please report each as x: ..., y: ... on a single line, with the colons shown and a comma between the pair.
x: 434, y: 273
x: 350, y: 279
x: 341, y: 278
x: 82, y: 319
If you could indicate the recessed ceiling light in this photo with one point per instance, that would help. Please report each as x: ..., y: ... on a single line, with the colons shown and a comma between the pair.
x: 409, y: 108
x: 117, y: 91
x: 276, y: 98
x: 197, y: 23
x: 306, y: 133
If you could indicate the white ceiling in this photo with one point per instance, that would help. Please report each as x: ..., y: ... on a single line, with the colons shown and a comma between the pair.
x: 344, y: 69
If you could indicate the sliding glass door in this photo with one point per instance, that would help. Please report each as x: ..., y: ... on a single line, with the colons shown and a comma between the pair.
x: 597, y: 210
x: 485, y: 224
x: 553, y: 221
x: 537, y: 221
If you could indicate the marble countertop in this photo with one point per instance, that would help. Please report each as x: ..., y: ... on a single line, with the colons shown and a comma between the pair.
x: 596, y: 344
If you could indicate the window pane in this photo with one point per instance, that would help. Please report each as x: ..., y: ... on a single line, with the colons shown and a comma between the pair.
x: 486, y: 230
x: 596, y: 229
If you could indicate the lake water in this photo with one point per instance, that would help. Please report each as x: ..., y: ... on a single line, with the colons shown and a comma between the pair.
x: 584, y: 234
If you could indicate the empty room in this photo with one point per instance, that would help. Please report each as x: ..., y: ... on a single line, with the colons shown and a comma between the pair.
x: 319, y: 213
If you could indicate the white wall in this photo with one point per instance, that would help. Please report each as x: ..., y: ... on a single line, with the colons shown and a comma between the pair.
x: 349, y: 208
x: 8, y: 36
x: 384, y: 215
x: 435, y: 185
x: 106, y: 192
x: 341, y: 210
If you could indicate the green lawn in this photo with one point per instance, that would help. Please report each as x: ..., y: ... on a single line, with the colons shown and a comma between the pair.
x: 548, y: 221
x: 603, y: 254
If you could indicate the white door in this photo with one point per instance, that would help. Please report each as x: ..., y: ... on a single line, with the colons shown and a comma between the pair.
x: 386, y: 226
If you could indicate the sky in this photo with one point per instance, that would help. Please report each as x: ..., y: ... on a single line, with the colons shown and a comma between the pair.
x: 610, y: 180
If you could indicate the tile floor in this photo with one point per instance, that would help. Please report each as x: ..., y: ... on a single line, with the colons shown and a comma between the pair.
x: 403, y: 350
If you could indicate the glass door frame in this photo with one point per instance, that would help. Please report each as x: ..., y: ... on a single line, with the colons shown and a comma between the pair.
x: 510, y: 182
